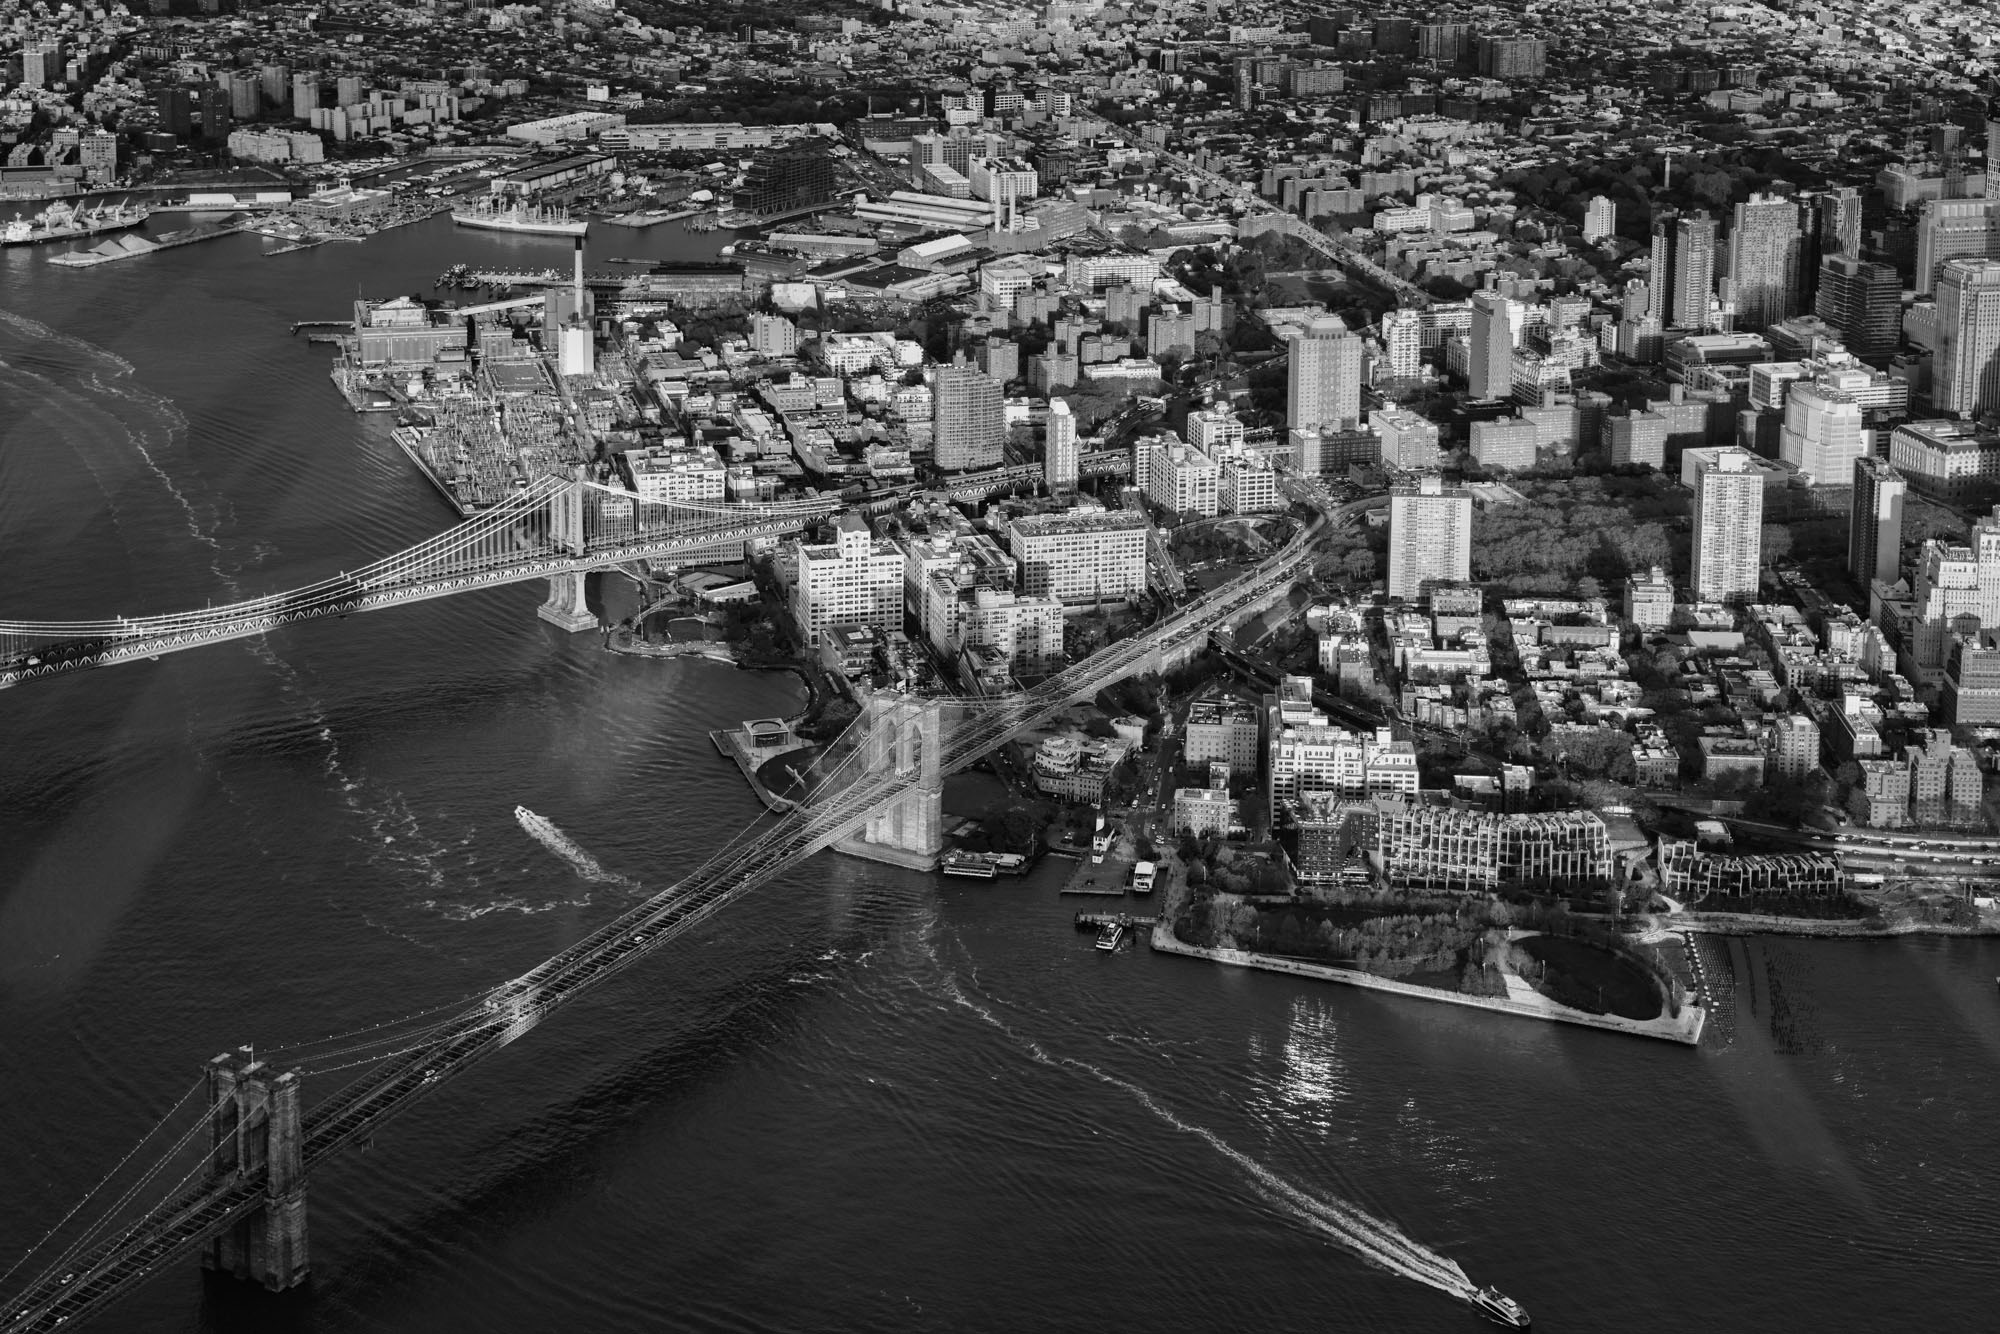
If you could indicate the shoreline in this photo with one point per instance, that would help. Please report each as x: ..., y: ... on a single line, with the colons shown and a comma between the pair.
x: 1685, y: 1029
x: 1753, y: 924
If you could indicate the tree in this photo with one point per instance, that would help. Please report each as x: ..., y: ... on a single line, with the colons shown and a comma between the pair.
x: 1776, y: 540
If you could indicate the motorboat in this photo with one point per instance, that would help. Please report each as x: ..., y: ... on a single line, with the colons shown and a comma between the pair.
x: 1499, y: 1307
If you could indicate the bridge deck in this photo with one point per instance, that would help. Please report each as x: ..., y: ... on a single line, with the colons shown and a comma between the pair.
x: 185, y: 1219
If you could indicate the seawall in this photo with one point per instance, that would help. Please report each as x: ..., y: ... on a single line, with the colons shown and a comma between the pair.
x: 1685, y: 1028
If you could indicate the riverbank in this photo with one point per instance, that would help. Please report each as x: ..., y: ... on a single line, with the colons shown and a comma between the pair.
x: 1521, y: 1001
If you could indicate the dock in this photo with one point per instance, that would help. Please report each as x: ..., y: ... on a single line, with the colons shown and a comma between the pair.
x: 131, y: 247
x: 649, y: 218
x: 753, y: 744
x: 542, y: 278
x: 1095, y: 921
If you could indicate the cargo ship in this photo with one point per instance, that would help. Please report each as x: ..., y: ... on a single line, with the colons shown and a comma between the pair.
x: 519, y: 216
x: 62, y: 221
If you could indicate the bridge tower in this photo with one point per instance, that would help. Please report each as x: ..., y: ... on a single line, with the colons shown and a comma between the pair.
x: 253, y: 1125
x: 567, y: 606
x: 905, y: 736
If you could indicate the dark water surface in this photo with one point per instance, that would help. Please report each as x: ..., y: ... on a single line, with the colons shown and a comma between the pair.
x: 861, y: 1099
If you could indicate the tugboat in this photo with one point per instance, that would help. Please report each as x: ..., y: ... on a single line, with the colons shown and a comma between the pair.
x: 1498, y: 1307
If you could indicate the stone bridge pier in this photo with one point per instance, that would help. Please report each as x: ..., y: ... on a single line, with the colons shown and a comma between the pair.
x: 568, y: 607
x: 905, y: 736
x: 253, y: 1125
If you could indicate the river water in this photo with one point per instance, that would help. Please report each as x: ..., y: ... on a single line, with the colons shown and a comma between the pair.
x: 861, y: 1099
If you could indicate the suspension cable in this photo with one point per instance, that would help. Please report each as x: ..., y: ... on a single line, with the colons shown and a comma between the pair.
x: 84, y: 1238
x: 91, y: 1194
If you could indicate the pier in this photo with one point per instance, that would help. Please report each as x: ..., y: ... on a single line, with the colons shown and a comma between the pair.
x: 1096, y: 921
x: 542, y: 278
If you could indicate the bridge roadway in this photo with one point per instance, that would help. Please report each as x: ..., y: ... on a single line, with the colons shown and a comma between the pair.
x: 483, y: 552
x: 187, y: 1218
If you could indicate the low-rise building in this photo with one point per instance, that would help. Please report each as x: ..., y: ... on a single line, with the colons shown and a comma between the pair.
x: 1205, y: 810
x: 1230, y: 730
x: 1690, y: 875
x: 1435, y: 847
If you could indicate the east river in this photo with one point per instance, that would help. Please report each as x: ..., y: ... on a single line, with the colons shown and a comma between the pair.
x: 861, y: 1099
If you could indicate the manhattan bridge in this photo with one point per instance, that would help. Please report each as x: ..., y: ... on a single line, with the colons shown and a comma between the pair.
x: 224, y: 1172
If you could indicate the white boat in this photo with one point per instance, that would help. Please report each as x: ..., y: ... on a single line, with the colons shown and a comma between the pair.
x: 515, y: 215
x: 1499, y: 1307
x: 1111, y: 937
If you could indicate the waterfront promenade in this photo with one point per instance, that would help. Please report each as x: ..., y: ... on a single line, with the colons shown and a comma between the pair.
x: 1522, y: 1000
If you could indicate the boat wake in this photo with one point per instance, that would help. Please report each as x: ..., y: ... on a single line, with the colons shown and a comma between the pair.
x: 1374, y: 1240
x: 543, y: 830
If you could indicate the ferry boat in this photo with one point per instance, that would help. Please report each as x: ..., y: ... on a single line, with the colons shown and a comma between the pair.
x: 62, y: 221
x: 519, y: 216
x: 1111, y: 937
x: 1142, y: 878
x: 972, y: 865
x: 1499, y: 1307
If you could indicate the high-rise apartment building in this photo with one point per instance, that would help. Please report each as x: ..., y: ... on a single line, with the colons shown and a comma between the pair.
x: 1949, y: 229
x: 1875, y: 522
x: 1323, y: 382
x: 1600, y: 219
x: 177, y: 108
x: 1430, y: 536
x: 276, y: 84
x: 1993, y: 149
x: 1402, y: 344
x: 215, y: 119
x: 1728, y: 524
x: 1864, y: 301
x: 1693, y: 270
x: 1764, y: 259
x: 1822, y: 435
x: 1794, y: 746
x: 1660, y: 280
x: 246, y: 94
x: 1059, y: 451
x: 1840, y: 222
x: 1513, y: 57
x: 1965, y: 373
x: 1491, y: 369
x: 968, y: 417
x: 41, y: 62
x: 305, y: 96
